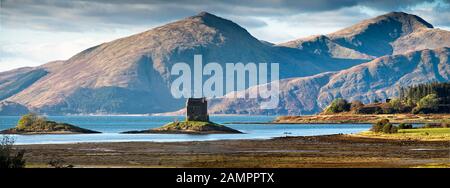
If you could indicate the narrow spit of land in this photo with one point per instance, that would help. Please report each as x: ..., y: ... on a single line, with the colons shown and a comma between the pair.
x: 362, y: 118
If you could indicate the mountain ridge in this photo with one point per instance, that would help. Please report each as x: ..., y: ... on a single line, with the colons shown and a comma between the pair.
x: 132, y: 74
x: 375, y: 80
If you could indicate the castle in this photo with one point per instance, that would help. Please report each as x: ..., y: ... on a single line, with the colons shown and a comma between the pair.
x: 197, y: 109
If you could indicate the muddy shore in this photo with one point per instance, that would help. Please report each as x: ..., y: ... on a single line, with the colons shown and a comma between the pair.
x: 311, y: 151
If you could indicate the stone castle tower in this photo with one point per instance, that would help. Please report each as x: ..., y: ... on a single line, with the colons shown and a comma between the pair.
x: 197, y: 109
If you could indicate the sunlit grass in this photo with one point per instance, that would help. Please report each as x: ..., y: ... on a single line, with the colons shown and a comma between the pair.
x: 416, y: 134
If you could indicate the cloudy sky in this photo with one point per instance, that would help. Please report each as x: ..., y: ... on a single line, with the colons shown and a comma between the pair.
x: 33, y: 32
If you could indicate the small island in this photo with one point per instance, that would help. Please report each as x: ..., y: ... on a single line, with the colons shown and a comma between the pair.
x: 34, y: 124
x: 197, y: 122
x: 189, y: 127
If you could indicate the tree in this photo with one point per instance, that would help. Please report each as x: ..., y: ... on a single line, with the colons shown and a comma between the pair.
x: 405, y: 126
x: 27, y: 120
x: 9, y: 159
x: 398, y: 106
x: 338, y: 105
x: 427, y: 104
x: 413, y: 94
x: 388, y: 128
x: 430, y: 101
x: 378, y: 126
x: 384, y: 126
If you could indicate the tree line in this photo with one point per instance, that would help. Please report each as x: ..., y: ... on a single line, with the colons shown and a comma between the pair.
x: 416, y: 92
x: 421, y: 98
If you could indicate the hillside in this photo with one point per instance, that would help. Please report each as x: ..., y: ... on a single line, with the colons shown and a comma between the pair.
x: 322, y: 45
x: 375, y: 80
x: 388, y: 34
x: 422, y: 39
x: 132, y: 74
x: 373, y: 36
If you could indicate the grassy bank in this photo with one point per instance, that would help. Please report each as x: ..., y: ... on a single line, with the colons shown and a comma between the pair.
x: 415, y: 134
x: 363, y: 118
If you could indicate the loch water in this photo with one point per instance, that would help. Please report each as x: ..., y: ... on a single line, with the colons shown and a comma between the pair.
x: 112, y: 126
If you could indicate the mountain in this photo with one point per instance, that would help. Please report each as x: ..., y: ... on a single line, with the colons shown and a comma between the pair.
x: 378, y: 39
x: 323, y: 46
x: 377, y: 79
x: 373, y: 36
x: 388, y: 34
x: 132, y: 74
x: 15, y: 81
x: 422, y: 39
x: 8, y: 108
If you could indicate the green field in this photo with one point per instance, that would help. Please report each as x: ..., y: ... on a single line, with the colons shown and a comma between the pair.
x: 416, y: 134
x: 431, y: 131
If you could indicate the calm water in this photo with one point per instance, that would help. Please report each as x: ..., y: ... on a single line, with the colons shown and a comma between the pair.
x: 111, y: 126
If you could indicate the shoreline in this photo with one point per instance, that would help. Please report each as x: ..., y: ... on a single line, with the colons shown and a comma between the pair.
x: 293, y: 123
x: 349, y: 118
x: 337, y: 150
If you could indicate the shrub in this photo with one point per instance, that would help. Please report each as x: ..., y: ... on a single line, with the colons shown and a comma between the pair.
x: 383, y: 121
x: 378, y: 126
x: 30, y: 121
x: 9, y: 159
x: 369, y: 110
x: 388, y: 110
x: 410, y: 103
x: 396, y: 103
x: 399, y: 106
x: 393, y: 129
x: 26, y: 120
x: 405, y: 126
x: 388, y: 128
x: 58, y: 163
x: 338, y: 105
x: 384, y: 126
x: 417, y: 110
x: 435, y: 125
x: 356, y: 105
x: 427, y: 104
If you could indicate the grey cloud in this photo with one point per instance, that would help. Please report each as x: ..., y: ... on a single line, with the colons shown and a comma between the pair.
x: 247, y: 22
x: 78, y: 15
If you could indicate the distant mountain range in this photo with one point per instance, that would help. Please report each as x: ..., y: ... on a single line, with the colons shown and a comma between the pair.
x: 375, y: 80
x: 132, y: 75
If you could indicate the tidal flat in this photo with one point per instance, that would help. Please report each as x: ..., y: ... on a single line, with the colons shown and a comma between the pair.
x: 292, y: 152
